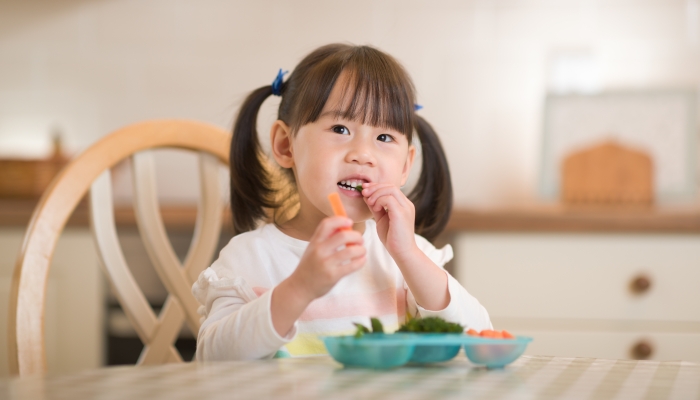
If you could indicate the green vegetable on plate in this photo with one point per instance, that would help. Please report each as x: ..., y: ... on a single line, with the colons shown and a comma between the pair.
x: 430, y: 325
x: 377, y: 327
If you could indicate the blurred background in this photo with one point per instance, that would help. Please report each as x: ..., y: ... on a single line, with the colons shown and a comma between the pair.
x: 502, y: 81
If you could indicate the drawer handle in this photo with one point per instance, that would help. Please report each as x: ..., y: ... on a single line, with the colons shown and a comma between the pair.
x: 640, y: 284
x: 642, y: 350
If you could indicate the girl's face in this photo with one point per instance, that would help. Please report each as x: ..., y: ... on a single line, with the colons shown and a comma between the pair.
x: 334, y: 154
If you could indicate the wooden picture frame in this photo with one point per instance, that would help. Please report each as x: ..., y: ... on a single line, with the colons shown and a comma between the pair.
x: 662, y: 123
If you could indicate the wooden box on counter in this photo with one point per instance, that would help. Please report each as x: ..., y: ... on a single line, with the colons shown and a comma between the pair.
x: 29, y: 178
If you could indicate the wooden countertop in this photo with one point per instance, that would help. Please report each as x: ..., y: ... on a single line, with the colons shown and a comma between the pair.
x: 16, y: 213
x: 571, y: 220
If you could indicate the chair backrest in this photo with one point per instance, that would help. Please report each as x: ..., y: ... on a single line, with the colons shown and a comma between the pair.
x: 91, y: 171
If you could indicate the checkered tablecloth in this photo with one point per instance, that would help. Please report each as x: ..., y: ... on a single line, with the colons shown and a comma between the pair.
x: 322, y: 378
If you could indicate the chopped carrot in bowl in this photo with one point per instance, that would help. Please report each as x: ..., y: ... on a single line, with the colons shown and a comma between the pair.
x: 487, y: 333
x: 491, y: 334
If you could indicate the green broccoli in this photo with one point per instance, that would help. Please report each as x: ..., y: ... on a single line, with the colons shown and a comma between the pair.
x: 430, y: 325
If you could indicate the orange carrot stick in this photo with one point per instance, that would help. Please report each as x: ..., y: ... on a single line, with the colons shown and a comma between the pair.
x: 337, y: 205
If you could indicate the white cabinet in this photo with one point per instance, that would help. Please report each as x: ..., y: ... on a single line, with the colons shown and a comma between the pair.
x: 574, y: 293
x: 74, y: 324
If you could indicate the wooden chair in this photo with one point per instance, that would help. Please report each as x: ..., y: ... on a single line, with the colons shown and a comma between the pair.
x: 91, y: 170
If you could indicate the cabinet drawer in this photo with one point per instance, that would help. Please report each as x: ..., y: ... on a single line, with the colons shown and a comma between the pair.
x: 582, y: 276
x: 614, y: 345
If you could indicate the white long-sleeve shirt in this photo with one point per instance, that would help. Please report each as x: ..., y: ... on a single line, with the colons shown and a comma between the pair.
x: 235, y: 294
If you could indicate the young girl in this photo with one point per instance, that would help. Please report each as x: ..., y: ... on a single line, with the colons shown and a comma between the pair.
x: 346, y: 119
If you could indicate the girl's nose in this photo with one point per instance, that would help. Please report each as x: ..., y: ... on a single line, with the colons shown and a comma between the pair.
x: 361, y: 154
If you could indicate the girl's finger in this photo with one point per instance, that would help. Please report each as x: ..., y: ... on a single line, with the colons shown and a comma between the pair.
x: 388, y: 191
x: 395, y: 208
x: 377, y: 215
x: 347, y: 254
x: 329, y: 226
x: 340, y: 238
x: 387, y: 203
x: 369, y: 188
x: 352, y: 266
x: 372, y: 187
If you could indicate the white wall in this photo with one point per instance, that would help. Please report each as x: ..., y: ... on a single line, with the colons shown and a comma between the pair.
x: 481, y: 67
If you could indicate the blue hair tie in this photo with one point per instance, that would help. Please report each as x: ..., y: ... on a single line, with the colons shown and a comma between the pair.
x: 417, y: 107
x: 277, y: 83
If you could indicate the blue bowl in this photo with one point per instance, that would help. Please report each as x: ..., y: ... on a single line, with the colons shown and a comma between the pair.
x: 377, y: 351
x: 436, y: 351
x: 495, y: 353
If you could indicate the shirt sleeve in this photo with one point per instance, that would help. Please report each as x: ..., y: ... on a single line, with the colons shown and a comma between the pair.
x: 237, y: 323
x: 463, y: 308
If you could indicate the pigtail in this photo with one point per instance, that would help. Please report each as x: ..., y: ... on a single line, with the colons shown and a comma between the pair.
x: 251, y: 183
x: 432, y: 196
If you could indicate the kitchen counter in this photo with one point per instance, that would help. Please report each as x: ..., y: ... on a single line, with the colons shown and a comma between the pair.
x: 16, y: 213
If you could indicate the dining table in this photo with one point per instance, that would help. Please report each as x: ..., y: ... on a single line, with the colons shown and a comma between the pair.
x: 319, y: 377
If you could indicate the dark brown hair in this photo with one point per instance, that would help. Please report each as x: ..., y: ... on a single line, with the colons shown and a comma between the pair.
x: 377, y: 92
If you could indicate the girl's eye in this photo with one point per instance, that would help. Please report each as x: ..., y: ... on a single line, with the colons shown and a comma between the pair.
x: 341, y: 130
x: 385, y: 138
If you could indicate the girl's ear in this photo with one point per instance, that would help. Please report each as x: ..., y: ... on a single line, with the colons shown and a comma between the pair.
x: 281, y: 141
x: 409, y: 162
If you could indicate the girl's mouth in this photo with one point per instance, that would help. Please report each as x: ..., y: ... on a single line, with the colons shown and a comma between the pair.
x: 355, y: 185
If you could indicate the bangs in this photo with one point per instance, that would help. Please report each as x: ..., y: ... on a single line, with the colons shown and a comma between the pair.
x: 375, y: 91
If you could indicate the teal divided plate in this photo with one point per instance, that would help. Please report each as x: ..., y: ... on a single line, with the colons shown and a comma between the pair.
x: 439, y: 351
x: 377, y: 351
x: 382, y: 351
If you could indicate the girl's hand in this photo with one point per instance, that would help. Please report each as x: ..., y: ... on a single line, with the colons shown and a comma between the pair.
x: 333, y: 252
x: 395, y: 216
